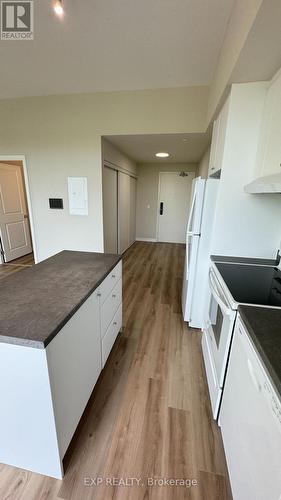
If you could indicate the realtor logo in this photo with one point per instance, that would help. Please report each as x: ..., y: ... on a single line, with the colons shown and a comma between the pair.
x: 17, y: 20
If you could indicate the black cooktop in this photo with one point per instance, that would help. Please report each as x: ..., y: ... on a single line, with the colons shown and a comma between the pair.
x: 252, y: 284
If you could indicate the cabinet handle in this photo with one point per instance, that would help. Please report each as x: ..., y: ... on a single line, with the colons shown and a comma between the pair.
x: 98, y: 294
x: 113, y: 276
x: 113, y: 296
x: 115, y: 323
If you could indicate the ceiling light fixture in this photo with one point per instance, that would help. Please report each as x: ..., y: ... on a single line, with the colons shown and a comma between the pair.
x: 58, y: 7
x: 162, y: 155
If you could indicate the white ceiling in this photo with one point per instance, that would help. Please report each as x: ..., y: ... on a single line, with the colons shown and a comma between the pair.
x: 142, y: 148
x: 104, y: 45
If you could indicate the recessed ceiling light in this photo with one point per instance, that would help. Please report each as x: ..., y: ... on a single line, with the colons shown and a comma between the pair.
x: 162, y: 155
x: 58, y: 7
x: 185, y: 139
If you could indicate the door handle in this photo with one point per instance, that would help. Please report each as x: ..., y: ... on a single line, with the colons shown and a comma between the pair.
x: 224, y: 307
x: 161, y: 207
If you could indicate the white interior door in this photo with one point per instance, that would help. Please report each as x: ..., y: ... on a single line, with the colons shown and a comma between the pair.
x: 110, y: 211
x: 173, y: 208
x: 14, y: 225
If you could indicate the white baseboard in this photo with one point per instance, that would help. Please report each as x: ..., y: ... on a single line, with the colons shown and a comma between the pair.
x: 152, y: 240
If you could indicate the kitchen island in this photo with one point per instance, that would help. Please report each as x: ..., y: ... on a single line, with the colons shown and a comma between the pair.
x: 58, y: 323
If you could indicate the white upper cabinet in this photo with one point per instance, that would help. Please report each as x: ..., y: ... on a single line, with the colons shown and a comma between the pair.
x: 269, y: 151
x: 218, y: 140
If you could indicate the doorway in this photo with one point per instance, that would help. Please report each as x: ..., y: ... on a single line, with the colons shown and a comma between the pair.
x: 173, y: 205
x: 15, y: 221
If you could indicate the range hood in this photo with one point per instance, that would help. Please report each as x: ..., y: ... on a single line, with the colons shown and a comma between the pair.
x: 266, y: 184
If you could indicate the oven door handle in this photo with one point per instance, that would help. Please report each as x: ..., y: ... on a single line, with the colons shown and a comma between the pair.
x: 224, y: 307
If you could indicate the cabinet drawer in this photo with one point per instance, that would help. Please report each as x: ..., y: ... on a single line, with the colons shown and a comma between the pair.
x: 110, y: 281
x: 111, y: 334
x: 110, y: 306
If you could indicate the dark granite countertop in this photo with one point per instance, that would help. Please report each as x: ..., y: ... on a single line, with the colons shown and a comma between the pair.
x: 37, y: 302
x: 264, y: 328
x: 243, y: 260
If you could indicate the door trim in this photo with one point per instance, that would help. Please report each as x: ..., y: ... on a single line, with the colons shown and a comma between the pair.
x: 28, y: 196
x: 158, y: 196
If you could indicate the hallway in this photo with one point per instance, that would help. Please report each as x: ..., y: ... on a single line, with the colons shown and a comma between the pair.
x: 149, y: 415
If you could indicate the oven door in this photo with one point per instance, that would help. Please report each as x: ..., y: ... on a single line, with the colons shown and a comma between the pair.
x: 219, y: 327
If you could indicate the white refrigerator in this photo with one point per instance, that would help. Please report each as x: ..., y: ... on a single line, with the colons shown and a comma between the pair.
x: 198, y: 241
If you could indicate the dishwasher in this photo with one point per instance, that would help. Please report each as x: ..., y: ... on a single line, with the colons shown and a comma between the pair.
x: 250, y: 421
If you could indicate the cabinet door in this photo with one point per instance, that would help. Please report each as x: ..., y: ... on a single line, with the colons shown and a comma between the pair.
x: 222, y: 135
x: 74, y: 361
x: 270, y: 150
x: 218, y: 140
x: 250, y: 424
x: 214, y: 144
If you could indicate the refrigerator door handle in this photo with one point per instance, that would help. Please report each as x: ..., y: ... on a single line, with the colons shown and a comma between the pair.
x: 187, y: 257
x: 189, y: 237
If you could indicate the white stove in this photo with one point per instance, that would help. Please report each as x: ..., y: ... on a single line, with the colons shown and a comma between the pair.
x: 232, y: 284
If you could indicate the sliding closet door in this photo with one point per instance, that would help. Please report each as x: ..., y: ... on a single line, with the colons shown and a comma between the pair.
x: 124, y: 211
x: 110, y: 213
x: 133, y: 191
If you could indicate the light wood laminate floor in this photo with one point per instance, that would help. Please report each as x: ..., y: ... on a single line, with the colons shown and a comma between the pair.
x: 150, y: 414
x: 16, y: 265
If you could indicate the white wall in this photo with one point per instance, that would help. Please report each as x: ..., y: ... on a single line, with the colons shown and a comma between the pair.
x: 147, y: 194
x: 118, y: 158
x: 203, y: 166
x: 242, y: 18
x: 245, y: 225
x: 61, y: 136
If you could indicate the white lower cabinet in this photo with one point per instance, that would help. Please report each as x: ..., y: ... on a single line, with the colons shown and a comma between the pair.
x: 110, y: 306
x: 250, y: 420
x: 111, y: 334
x: 45, y: 391
x: 74, y: 362
x: 110, y: 294
x: 78, y: 353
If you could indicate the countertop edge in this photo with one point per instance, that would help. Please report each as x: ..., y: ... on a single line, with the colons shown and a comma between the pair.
x: 37, y: 344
